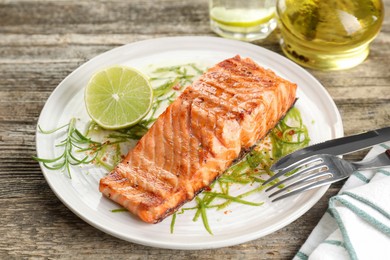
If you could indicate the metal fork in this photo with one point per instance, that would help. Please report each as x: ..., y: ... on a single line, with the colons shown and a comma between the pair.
x: 320, y: 170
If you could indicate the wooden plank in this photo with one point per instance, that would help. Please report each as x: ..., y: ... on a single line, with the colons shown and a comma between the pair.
x: 43, y: 41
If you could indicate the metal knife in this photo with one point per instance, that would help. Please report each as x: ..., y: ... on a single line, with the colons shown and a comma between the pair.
x: 336, y: 146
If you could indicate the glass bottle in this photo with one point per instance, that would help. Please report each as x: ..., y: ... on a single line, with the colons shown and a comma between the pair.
x: 328, y: 34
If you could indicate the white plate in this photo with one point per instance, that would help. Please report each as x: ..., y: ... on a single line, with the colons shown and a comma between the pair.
x: 242, y: 223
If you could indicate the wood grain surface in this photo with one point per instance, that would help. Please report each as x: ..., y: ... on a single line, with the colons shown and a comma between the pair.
x: 41, y: 42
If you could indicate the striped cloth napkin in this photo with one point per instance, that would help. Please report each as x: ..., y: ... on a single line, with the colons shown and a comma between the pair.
x: 357, y: 222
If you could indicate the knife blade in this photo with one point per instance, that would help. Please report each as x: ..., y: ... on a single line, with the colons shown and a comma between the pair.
x: 338, y: 146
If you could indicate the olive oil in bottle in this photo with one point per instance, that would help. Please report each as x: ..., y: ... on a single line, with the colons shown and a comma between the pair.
x: 328, y: 34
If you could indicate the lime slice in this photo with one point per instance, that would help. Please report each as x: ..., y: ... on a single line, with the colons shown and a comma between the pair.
x: 118, y: 97
x: 241, y: 17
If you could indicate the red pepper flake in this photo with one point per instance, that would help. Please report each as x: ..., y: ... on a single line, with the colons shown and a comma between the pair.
x: 291, y: 132
x: 208, y: 188
x: 176, y: 87
x: 227, y: 212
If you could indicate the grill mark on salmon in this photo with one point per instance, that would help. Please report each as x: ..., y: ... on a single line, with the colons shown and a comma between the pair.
x: 167, y: 140
x: 213, y: 122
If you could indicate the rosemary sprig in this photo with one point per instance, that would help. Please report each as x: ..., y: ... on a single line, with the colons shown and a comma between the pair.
x: 74, y: 139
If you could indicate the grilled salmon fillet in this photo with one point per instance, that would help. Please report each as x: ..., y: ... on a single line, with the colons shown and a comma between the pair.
x: 226, y: 111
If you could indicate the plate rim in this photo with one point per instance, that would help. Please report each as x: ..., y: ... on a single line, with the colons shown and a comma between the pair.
x: 337, y: 128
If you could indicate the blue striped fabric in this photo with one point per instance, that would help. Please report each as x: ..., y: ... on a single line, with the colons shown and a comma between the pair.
x: 362, y: 208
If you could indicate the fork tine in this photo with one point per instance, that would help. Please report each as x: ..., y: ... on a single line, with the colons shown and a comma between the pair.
x: 305, y: 188
x: 301, y: 181
x: 300, y: 172
x: 293, y: 166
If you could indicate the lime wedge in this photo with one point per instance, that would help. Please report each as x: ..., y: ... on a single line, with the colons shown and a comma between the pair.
x: 118, y: 97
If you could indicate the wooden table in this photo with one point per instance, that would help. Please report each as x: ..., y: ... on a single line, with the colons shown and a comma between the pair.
x: 41, y: 42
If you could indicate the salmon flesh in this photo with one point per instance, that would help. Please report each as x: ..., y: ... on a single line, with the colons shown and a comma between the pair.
x: 227, y: 110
